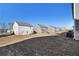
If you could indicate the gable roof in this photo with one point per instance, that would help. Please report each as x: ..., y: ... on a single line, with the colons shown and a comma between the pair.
x: 42, y: 26
x: 51, y: 26
x: 24, y: 24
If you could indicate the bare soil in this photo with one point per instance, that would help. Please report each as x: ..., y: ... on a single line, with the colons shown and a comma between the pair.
x: 58, y: 45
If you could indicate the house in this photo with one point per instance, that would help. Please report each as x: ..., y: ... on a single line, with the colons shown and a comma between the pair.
x: 54, y: 29
x: 64, y: 29
x: 3, y: 31
x: 51, y: 29
x: 21, y: 28
x: 10, y: 31
x: 57, y: 29
x: 40, y: 28
x: 75, y: 12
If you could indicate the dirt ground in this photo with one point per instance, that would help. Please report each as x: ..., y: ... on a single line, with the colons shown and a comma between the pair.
x: 12, y: 39
x: 58, y: 45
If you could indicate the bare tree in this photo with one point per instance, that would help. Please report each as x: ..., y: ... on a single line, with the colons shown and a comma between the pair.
x: 10, y: 25
x: 2, y: 26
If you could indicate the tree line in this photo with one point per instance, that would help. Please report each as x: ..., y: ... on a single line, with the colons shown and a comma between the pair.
x: 6, y: 25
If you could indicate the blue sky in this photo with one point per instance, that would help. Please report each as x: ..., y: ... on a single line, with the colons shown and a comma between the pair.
x: 57, y: 14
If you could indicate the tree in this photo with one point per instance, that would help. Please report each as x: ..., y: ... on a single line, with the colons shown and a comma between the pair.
x: 10, y: 25
x: 2, y: 26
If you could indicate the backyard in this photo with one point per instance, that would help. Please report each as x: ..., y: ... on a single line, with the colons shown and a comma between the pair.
x: 43, y: 46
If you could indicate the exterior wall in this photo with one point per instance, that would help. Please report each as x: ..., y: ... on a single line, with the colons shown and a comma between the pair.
x: 10, y: 31
x: 44, y: 30
x: 23, y: 30
x: 57, y: 29
x: 51, y: 29
x: 76, y: 20
x: 76, y: 10
x: 15, y: 28
x: 37, y: 29
x: 76, y: 30
x: 76, y: 35
x: 3, y: 31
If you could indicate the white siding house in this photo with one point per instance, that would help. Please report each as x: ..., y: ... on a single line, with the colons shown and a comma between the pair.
x: 21, y: 28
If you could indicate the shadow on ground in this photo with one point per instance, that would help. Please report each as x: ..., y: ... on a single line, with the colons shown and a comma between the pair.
x: 43, y: 46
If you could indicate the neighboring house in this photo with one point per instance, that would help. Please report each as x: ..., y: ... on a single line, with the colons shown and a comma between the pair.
x: 57, y: 29
x: 40, y: 28
x: 6, y: 31
x: 10, y: 31
x: 21, y: 28
x: 64, y: 29
x: 51, y: 29
x: 3, y: 31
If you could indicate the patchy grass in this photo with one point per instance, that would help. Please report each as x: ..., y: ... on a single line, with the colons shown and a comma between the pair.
x: 57, y: 45
x: 12, y: 39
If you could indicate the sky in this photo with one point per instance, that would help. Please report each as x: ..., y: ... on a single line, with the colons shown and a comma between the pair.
x: 56, y: 14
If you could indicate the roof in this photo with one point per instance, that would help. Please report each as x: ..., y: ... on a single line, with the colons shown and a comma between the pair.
x: 24, y: 24
x: 51, y: 26
x: 42, y: 26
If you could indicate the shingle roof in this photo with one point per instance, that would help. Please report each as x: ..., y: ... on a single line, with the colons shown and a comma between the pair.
x: 24, y: 24
x: 51, y: 26
x: 42, y: 26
